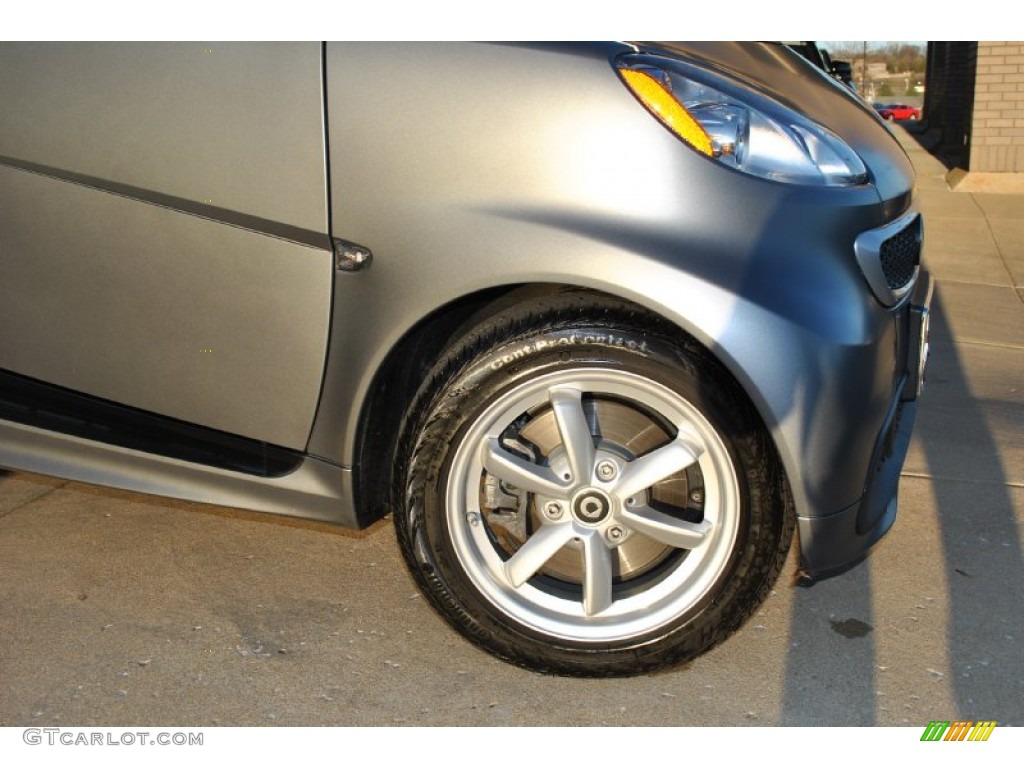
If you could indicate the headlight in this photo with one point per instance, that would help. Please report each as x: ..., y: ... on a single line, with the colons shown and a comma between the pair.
x: 738, y: 126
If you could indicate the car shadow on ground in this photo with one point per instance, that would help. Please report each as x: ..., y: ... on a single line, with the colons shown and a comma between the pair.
x: 979, y: 531
x: 836, y: 665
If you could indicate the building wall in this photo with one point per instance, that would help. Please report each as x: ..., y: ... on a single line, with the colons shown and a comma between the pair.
x: 997, y: 130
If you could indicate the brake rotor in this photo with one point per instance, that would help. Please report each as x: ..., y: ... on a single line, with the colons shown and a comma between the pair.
x: 618, y: 427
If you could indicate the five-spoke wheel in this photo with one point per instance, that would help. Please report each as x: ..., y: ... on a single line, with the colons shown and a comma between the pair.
x: 584, y: 490
x: 592, y: 504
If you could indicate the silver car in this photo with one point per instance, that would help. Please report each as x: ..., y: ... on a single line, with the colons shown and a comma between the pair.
x: 600, y: 325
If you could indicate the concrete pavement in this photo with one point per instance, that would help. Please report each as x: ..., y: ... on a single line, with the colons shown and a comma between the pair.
x: 123, y: 609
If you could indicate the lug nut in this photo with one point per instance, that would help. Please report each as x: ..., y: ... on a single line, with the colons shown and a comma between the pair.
x: 614, y: 534
x: 606, y: 470
x: 552, y: 510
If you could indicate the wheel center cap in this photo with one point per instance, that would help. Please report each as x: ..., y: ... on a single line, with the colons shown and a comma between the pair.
x: 591, y: 506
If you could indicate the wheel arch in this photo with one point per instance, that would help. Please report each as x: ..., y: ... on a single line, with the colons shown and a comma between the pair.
x: 395, y: 381
x: 397, y: 378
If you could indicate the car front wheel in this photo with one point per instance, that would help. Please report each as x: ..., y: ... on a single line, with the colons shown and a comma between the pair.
x: 585, y: 492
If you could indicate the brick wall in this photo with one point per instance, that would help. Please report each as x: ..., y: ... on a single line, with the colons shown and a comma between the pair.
x: 997, y: 129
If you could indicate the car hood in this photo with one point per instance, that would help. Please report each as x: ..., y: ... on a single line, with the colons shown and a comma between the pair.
x: 790, y: 79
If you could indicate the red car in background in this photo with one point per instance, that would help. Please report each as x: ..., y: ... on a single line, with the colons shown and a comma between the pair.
x: 897, y: 111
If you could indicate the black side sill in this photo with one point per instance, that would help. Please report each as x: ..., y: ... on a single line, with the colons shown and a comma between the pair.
x: 27, y: 401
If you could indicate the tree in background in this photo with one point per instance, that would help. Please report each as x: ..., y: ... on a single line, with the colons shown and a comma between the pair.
x: 903, y: 57
x: 897, y: 56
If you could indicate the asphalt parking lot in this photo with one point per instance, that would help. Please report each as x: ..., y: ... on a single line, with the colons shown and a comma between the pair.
x: 124, y: 609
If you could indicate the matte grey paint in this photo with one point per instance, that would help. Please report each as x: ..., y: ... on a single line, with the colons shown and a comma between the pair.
x: 236, y: 125
x: 462, y: 168
x: 127, y: 301
x: 143, y: 304
x: 484, y: 165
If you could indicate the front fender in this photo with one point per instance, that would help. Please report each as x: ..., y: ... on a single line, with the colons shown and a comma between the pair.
x: 544, y: 169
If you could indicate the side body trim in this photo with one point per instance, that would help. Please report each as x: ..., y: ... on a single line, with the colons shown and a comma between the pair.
x: 203, y: 210
x: 317, y: 490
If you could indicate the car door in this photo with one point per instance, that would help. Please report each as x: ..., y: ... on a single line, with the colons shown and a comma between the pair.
x: 164, y: 228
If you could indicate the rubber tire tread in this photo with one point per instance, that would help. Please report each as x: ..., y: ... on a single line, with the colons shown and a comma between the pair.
x: 429, y: 427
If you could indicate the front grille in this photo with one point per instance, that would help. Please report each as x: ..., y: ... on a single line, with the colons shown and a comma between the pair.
x: 889, y: 257
x: 901, y: 255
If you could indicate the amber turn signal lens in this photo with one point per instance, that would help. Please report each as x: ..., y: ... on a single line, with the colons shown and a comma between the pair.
x: 664, y: 106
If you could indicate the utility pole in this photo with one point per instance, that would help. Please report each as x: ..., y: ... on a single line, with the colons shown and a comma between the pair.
x: 864, y: 70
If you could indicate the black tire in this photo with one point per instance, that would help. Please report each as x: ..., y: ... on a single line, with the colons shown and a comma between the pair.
x: 588, y: 575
